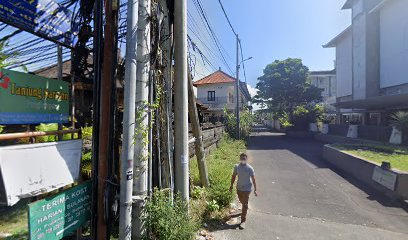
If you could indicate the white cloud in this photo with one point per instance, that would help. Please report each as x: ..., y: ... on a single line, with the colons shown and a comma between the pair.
x: 253, y: 91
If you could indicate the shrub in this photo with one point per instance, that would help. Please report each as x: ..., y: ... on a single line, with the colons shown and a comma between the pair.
x: 246, y: 122
x: 220, y: 165
x: 165, y: 220
x: 284, y: 120
x: 87, y: 132
x: 1, y: 129
x: 305, y: 114
x: 86, y: 165
x: 197, y: 192
x: 212, y: 206
x: 45, y: 128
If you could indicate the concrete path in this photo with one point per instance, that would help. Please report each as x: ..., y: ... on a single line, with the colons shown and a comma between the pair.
x: 301, y: 197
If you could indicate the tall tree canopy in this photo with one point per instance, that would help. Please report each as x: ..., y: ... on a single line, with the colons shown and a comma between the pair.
x: 284, y: 85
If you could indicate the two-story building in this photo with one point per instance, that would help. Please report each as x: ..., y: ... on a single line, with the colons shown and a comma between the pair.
x: 218, y: 91
x: 372, y: 60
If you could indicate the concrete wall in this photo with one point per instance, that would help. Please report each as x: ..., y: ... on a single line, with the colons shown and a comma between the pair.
x: 363, y: 170
x: 394, y: 43
x: 344, y: 66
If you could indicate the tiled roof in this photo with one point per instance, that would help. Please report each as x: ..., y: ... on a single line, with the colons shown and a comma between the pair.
x: 216, y: 77
x: 222, y: 77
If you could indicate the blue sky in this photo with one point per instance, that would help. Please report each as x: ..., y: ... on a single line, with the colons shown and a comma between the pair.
x: 270, y: 30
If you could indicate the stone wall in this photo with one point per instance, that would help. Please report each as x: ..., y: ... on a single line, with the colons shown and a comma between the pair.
x: 212, y: 134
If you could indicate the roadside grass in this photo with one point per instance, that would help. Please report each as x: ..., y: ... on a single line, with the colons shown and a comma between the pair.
x: 210, y: 206
x: 14, y: 221
x: 397, y: 156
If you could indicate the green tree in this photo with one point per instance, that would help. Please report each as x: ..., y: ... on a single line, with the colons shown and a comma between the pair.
x: 284, y: 85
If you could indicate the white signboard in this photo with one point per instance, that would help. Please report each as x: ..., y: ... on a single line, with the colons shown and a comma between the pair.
x: 385, y: 178
x: 33, y: 169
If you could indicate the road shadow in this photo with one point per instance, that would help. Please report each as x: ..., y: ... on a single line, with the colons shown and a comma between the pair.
x: 311, y: 151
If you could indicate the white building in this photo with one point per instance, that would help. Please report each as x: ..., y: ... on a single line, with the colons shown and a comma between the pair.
x: 218, y: 90
x: 326, y: 81
x: 372, y: 59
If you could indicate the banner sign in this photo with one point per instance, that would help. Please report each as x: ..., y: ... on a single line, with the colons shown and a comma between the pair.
x: 31, y: 99
x: 59, y: 216
x: 32, y: 169
x: 44, y: 18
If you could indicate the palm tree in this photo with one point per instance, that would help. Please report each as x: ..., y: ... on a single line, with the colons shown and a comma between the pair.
x: 7, y: 59
x: 399, y: 120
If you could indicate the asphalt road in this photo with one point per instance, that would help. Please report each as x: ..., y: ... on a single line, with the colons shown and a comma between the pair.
x: 302, y: 197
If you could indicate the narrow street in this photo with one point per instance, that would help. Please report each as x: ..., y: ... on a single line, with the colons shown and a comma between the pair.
x: 301, y: 197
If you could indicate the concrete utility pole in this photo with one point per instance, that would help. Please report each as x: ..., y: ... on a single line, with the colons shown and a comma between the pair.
x: 129, y: 113
x: 238, y: 91
x: 142, y: 122
x: 181, y: 99
x: 195, y: 125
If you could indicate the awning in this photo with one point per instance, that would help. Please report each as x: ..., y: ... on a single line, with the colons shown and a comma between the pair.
x: 392, y: 102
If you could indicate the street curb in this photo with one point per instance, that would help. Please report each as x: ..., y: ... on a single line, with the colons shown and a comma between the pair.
x: 362, y: 170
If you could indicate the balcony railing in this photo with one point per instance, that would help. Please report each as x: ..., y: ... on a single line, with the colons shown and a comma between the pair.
x: 219, y: 103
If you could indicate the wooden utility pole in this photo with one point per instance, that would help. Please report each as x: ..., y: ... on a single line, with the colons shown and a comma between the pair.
x: 106, y: 123
x: 197, y: 133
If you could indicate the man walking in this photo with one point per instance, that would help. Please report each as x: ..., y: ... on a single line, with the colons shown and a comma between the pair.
x: 245, y: 174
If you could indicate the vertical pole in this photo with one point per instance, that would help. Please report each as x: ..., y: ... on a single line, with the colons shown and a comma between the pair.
x: 129, y: 114
x: 238, y: 92
x: 142, y: 121
x: 106, y: 124
x: 195, y: 126
x: 181, y: 99
x: 59, y: 55
x: 98, y: 35
x: 168, y: 94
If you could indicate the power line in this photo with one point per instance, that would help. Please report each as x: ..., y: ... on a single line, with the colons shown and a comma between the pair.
x: 204, y: 18
x: 226, y: 16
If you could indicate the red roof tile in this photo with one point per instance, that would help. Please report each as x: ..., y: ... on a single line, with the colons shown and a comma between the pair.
x: 221, y: 77
x: 216, y: 77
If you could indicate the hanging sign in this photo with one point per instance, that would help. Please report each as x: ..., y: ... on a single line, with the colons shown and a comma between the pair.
x: 30, y: 99
x: 44, y: 18
x: 59, y: 216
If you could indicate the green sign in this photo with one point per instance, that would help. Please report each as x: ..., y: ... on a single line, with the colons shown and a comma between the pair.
x: 29, y: 99
x: 58, y: 216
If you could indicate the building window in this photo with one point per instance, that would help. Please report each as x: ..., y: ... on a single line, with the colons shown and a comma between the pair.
x: 211, y: 96
x: 231, y: 97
